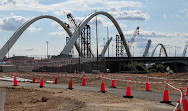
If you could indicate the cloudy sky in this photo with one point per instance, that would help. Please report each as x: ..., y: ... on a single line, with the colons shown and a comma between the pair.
x: 162, y: 21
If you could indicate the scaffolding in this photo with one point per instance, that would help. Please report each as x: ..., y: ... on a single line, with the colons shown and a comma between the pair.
x: 119, y: 46
x: 86, y: 41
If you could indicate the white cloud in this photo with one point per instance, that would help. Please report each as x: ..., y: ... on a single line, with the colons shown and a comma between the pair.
x: 151, y: 34
x: 129, y: 14
x: 8, y: 2
x: 13, y: 22
x: 29, y: 49
x: 59, y: 33
x: 164, y: 16
x: 32, y: 29
x: 185, y: 11
x: 67, y: 6
x: 18, y: 2
x: 170, y: 40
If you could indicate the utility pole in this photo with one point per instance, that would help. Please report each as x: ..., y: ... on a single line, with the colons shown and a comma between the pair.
x: 104, y: 41
x: 112, y: 50
x: 97, y: 42
x: 175, y: 51
x: 47, y: 49
x: 169, y: 54
x: 133, y: 50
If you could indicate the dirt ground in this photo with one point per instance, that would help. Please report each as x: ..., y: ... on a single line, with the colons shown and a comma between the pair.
x: 36, y: 99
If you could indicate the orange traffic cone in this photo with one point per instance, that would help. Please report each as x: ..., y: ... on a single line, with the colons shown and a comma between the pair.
x: 41, y: 81
x: 84, y: 80
x: 55, y: 80
x: 147, y: 84
x: 15, y: 80
x: 178, y: 106
x: 34, y: 79
x: 128, y: 90
x: 184, y: 101
x: 165, y: 95
x: 102, y: 86
x: 113, y: 81
x: 187, y: 91
x: 70, y: 84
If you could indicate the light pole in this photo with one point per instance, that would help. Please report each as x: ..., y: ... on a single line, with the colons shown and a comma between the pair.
x: 112, y: 50
x: 133, y: 50
x: 47, y: 49
x: 169, y: 54
x: 175, y: 51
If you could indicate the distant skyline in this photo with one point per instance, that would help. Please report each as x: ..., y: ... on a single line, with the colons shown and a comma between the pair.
x: 162, y: 21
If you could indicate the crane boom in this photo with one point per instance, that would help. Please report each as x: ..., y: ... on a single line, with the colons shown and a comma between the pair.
x: 75, y: 25
x: 136, y: 32
x: 72, y: 20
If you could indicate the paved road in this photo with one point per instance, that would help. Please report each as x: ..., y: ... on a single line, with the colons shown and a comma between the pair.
x: 154, y: 96
x: 2, y: 99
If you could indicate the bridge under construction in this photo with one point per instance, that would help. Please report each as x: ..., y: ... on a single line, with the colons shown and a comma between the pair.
x: 87, y: 60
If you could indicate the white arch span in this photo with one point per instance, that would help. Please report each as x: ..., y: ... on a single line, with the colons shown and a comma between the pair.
x: 162, y: 46
x: 81, y: 26
x: 8, y: 45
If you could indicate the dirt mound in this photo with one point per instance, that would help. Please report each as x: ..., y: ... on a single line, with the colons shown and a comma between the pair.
x: 23, y: 99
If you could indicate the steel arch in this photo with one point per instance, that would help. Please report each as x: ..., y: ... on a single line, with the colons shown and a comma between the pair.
x: 162, y: 46
x: 76, y: 34
x: 4, y: 50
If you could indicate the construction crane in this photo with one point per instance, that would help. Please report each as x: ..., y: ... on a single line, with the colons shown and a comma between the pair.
x: 72, y: 20
x: 136, y: 32
x: 185, y: 50
x: 75, y: 25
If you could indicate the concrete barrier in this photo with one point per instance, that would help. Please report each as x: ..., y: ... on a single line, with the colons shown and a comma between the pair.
x: 8, y: 68
x: 24, y: 68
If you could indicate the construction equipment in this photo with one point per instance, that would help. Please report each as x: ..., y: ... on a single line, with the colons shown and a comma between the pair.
x: 75, y: 25
x: 185, y: 50
x: 72, y: 21
x: 119, y: 46
x: 136, y: 32
x: 147, y: 48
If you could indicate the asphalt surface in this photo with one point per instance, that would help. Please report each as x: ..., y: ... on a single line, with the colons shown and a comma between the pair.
x: 147, y: 95
x: 2, y: 99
